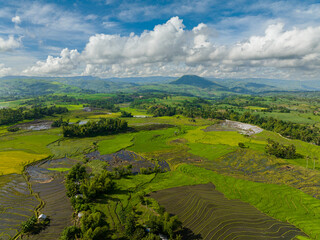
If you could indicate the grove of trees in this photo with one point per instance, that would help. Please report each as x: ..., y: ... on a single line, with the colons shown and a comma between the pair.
x: 99, y: 128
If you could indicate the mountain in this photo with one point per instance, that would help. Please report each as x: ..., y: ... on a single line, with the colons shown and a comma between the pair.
x: 260, y: 85
x: 27, y: 87
x: 196, y: 81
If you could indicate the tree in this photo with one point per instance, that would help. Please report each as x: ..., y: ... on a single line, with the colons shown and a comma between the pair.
x: 70, y: 233
x: 130, y: 225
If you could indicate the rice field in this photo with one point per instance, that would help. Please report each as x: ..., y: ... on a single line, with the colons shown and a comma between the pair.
x: 14, y: 161
x: 16, y: 204
x: 278, y: 201
x: 210, y: 214
x: 115, y: 143
x: 231, y: 138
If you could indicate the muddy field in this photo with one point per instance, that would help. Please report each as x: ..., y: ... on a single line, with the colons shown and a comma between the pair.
x: 125, y: 158
x: 36, y: 125
x: 208, y: 213
x: 228, y: 125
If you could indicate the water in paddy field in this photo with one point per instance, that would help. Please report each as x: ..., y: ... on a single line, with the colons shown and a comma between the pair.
x: 49, y: 185
x: 16, y: 204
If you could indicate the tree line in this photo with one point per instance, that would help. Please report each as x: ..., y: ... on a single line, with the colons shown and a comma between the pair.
x: 11, y: 116
x: 92, y: 129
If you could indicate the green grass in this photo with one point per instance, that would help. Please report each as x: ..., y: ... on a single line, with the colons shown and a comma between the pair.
x: 30, y: 142
x: 115, y: 144
x: 155, y: 140
x: 59, y: 169
x: 71, y: 107
x: 210, y: 151
x: 230, y: 138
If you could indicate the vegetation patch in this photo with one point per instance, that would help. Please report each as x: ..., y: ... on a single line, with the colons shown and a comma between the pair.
x: 59, y: 169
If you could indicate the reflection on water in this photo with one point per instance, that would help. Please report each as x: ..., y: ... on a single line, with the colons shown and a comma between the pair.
x: 16, y: 204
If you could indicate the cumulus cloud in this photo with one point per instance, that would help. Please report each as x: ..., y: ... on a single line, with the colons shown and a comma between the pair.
x: 16, y: 20
x: 4, y: 71
x: 9, y: 44
x: 170, y: 49
x: 68, y: 61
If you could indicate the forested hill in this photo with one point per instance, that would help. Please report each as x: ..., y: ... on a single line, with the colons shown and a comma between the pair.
x: 197, y: 81
x: 22, y: 88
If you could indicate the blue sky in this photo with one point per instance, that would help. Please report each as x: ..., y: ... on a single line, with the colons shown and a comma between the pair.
x: 274, y: 39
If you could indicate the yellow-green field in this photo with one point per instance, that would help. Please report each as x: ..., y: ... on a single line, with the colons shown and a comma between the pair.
x: 231, y: 138
x: 13, y: 161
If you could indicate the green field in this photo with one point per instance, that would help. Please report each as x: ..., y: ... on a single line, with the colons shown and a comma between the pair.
x: 115, y: 144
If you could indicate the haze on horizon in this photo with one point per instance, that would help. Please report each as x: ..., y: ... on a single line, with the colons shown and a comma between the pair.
x: 238, y: 39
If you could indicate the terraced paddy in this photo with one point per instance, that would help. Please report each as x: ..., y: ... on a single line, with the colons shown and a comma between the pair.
x: 57, y: 207
x: 16, y: 204
x: 50, y: 188
x: 209, y: 213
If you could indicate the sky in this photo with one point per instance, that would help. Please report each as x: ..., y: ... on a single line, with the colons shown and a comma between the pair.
x: 115, y: 38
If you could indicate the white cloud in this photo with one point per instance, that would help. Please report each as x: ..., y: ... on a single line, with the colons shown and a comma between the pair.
x: 9, y: 44
x: 170, y: 49
x: 68, y: 61
x: 4, y: 71
x: 91, y: 17
x: 164, y: 43
x: 16, y: 20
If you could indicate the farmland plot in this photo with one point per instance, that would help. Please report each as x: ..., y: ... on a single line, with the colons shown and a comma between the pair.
x: 207, y: 212
x: 16, y: 204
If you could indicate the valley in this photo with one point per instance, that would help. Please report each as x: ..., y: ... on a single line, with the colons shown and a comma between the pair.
x: 158, y: 159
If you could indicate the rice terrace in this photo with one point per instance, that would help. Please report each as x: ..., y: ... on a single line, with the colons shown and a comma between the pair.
x: 159, y: 120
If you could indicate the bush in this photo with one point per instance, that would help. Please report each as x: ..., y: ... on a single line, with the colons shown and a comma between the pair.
x: 241, y: 145
x: 29, y: 226
x: 126, y: 114
x: 281, y: 151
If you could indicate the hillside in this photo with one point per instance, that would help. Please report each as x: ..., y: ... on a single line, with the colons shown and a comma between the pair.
x: 21, y: 88
x: 197, y: 81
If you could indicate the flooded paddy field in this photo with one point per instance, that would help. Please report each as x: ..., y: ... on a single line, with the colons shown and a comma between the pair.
x: 16, y: 204
x: 57, y: 207
x: 49, y: 185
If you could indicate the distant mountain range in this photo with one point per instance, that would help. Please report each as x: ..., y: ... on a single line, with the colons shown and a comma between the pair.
x: 21, y: 86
